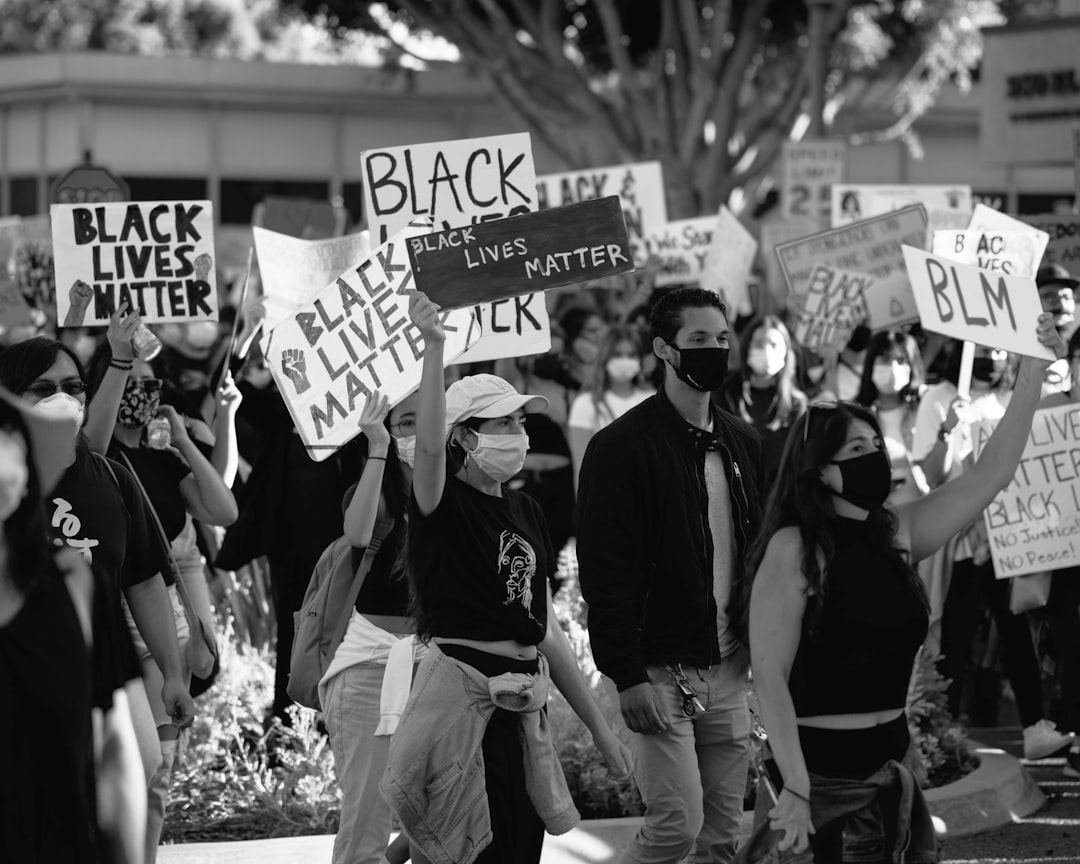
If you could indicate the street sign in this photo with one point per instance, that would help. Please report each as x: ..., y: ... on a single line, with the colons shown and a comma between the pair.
x: 89, y: 184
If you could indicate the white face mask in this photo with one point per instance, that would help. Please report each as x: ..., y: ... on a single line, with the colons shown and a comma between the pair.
x: 623, y: 368
x: 201, y: 334
x: 892, y: 378
x: 62, y: 405
x: 500, y: 456
x: 766, y: 361
x: 406, y: 449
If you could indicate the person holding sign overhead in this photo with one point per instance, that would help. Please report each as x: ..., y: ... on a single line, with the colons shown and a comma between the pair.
x: 472, y: 767
x: 837, y: 614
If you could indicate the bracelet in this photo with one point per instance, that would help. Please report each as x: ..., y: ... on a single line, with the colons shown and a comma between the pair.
x: 122, y: 365
x: 805, y: 798
x: 383, y: 458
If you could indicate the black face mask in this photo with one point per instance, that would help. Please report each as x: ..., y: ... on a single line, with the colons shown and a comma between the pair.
x: 704, y: 369
x: 867, y: 479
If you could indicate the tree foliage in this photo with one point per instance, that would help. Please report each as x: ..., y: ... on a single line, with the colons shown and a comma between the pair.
x: 711, y: 88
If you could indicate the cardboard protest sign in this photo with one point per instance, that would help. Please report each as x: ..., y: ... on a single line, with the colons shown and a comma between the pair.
x: 682, y: 247
x: 293, y: 271
x: 1063, y: 243
x: 640, y: 188
x: 980, y: 306
x: 308, y: 219
x: 775, y: 234
x: 158, y: 256
x: 523, y: 254
x: 810, y: 170
x: 946, y: 206
x: 455, y: 183
x: 354, y: 338
x: 1008, y: 251
x: 832, y: 307
x: 1034, y: 523
x: 990, y: 221
x: 459, y: 183
x: 730, y: 261
x: 871, y: 246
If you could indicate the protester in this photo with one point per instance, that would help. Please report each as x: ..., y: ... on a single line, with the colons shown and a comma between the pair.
x: 942, y: 446
x: 843, y: 373
x: 670, y: 498
x: 765, y: 393
x: 616, y: 387
x: 73, y: 789
x: 833, y: 646
x: 363, y: 690
x: 472, y: 767
x: 1057, y: 288
x: 181, y: 485
x: 560, y: 376
x: 97, y: 510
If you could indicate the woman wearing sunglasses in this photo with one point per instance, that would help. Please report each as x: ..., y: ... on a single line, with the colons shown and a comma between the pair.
x: 182, y: 485
x: 96, y: 509
x: 837, y: 615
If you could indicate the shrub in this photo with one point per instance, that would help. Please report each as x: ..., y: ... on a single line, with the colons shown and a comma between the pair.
x: 940, y: 741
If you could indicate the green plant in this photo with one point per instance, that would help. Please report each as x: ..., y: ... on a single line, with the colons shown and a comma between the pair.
x: 940, y: 741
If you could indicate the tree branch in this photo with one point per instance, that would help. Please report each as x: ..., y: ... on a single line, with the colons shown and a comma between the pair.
x: 613, y: 34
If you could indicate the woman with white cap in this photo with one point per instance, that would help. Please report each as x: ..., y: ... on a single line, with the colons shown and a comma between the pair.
x: 472, y: 772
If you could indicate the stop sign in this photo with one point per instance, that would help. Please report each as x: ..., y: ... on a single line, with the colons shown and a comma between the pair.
x: 89, y: 184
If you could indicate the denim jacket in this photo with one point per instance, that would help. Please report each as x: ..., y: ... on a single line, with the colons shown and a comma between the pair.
x: 434, y: 778
x: 889, y: 803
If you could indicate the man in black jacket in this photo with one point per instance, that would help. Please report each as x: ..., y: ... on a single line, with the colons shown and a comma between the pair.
x: 670, y: 498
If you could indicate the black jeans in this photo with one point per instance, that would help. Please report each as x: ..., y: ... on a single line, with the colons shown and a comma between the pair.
x: 1064, y: 619
x: 973, y: 588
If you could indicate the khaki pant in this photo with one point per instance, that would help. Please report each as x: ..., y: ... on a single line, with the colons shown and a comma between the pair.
x: 692, y: 777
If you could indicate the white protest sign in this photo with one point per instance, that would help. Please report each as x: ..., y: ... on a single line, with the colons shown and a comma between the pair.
x: 1008, y: 251
x: 980, y: 306
x: 832, y: 307
x: 946, y: 206
x: 1034, y: 523
x: 682, y: 247
x: 988, y: 220
x: 640, y: 187
x: 775, y: 234
x: 810, y: 170
x: 1063, y: 230
x: 157, y: 256
x: 459, y: 183
x: 729, y: 262
x: 293, y: 271
x: 354, y: 338
x: 871, y: 246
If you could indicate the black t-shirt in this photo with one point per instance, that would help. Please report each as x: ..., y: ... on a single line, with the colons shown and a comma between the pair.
x: 160, y: 472
x: 101, y: 514
x: 386, y: 590
x: 484, y: 562
x: 47, y: 810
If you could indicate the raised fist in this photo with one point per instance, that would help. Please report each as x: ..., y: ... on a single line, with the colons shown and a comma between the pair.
x: 294, y: 365
x: 203, y: 263
x: 80, y: 296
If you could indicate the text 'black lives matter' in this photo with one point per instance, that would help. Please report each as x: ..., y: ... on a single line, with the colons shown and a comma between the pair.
x: 523, y: 254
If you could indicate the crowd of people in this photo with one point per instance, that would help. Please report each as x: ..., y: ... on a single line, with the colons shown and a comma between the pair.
x: 740, y: 508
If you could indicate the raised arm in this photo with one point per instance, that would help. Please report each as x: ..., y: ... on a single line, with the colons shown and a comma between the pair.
x: 429, y: 468
x: 101, y: 413
x: 777, y: 605
x: 225, y: 457
x: 929, y: 522
x: 206, y: 496
x: 363, y: 509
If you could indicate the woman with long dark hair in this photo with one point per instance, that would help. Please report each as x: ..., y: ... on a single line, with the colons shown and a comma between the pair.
x: 837, y: 616
x: 472, y: 771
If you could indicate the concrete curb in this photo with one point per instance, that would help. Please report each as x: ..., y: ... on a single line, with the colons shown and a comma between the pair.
x: 996, y: 793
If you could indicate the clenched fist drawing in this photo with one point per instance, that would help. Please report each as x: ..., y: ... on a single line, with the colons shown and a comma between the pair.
x: 80, y: 296
x: 203, y: 263
x: 294, y: 365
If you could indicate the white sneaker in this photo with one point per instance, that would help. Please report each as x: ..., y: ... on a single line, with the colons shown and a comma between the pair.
x: 1042, y: 740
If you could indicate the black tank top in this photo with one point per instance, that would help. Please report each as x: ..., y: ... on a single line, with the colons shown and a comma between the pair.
x: 856, y: 657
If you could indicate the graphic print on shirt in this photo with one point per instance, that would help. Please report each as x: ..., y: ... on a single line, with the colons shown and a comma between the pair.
x: 70, y: 526
x: 517, y: 567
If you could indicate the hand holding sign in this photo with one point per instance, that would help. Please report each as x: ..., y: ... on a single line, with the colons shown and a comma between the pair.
x: 371, y: 421
x: 425, y: 315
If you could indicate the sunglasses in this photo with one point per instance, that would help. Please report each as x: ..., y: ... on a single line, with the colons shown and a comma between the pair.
x: 148, y: 385
x: 45, y: 389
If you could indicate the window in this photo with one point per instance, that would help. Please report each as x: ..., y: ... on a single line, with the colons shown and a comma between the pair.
x: 239, y: 197
x: 353, y: 193
x: 1047, y: 202
x: 24, y: 200
x: 167, y: 188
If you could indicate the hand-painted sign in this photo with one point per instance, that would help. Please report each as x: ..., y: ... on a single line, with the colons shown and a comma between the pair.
x: 522, y: 255
x: 833, y: 306
x: 354, y: 338
x: 1008, y: 251
x: 980, y: 306
x: 1063, y: 238
x: 682, y: 247
x: 730, y: 261
x: 158, y: 256
x: 990, y: 221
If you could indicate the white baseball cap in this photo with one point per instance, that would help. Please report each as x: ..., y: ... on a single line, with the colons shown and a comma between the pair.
x: 487, y: 397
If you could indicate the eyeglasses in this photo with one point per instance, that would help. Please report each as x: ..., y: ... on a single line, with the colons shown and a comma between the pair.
x: 45, y: 389
x: 406, y: 427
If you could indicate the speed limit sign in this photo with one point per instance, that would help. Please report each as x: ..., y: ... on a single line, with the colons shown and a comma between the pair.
x: 810, y: 169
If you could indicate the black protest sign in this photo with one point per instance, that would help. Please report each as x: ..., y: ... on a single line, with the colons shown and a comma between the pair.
x: 522, y: 255
x: 156, y: 256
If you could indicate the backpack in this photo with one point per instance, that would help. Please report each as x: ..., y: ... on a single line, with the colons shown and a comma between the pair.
x: 331, y: 594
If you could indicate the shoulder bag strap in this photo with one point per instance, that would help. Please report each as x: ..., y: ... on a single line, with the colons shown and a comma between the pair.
x: 374, y: 544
